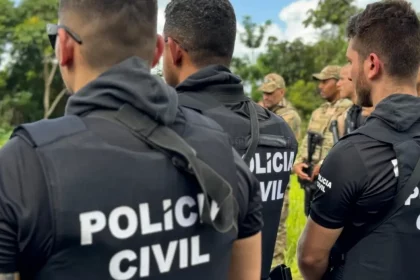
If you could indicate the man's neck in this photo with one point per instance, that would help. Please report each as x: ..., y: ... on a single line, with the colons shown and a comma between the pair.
x: 385, y: 89
x: 84, y: 78
x: 353, y: 98
x: 186, y: 72
x: 336, y: 98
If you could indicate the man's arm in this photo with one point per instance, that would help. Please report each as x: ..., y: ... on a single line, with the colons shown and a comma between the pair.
x: 342, y: 178
x: 246, y: 251
x: 22, y: 190
x: 246, y: 259
x: 303, y: 151
x: 314, y: 249
x: 9, y: 276
x: 293, y: 120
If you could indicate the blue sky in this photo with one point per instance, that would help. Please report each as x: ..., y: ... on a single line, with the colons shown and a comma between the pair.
x: 260, y: 13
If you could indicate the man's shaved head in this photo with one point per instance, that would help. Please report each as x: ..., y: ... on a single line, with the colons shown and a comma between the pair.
x: 206, y: 28
x: 112, y: 30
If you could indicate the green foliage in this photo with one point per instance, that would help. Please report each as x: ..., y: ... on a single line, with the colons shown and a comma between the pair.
x: 305, y: 97
x: 31, y: 60
x: 251, y: 38
x: 294, y: 225
x: 4, y: 136
x: 16, y: 108
x: 293, y: 60
x: 330, y: 12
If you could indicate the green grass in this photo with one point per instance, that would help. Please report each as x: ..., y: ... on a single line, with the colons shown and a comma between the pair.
x: 295, y: 223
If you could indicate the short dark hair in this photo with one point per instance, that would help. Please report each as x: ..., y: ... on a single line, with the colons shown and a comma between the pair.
x: 112, y: 31
x: 391, y: 29
x: 205, y: 28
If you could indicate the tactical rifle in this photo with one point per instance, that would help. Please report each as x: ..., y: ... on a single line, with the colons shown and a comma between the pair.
x: 281, y: 272
x: 314, y: 139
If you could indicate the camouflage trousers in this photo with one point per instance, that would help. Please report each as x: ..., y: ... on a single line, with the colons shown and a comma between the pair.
x: 280, y: 247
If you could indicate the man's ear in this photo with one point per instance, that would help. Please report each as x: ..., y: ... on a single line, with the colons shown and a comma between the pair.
x: 373, y: 66
x: 158, y: 50
x: 282, y: 92
x: 176, y: 52
x: 64, y: 48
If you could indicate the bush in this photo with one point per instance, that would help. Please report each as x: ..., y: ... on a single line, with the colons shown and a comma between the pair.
x: 4, y: 136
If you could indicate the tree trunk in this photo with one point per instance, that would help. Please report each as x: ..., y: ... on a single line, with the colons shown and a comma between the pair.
x: 55, y: 103
x: 48, y: 79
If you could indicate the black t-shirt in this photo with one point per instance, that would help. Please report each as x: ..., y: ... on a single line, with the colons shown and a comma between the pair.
x: 26, y: 215
x: 358, y: 183
x: 357, y: 180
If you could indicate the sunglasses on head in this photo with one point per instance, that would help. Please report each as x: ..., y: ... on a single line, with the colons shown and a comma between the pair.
x: 52, y: 31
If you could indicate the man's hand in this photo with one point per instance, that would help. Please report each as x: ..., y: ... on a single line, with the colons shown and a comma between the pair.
x: 315, y: 172
x: 314, y: 249
x: 298, y: 170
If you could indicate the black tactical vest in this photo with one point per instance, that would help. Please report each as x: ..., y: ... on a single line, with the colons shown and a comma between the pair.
x: 123, y: 213
x: 390, y: 251
x: 271, y: 163
x: 354, y: 119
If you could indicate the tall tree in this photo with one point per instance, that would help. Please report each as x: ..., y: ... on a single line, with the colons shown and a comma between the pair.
x: 293, y: 60
x: 32, y: 68
x: 330, y: 12
x: 253, y: 35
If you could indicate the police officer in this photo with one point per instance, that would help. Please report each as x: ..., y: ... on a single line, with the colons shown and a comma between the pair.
x: 366, y: 204
x: 274, y: 90
x: 111, y: 190
x: 356, y: 115
x: 200, y: 38
x: 320, y: 123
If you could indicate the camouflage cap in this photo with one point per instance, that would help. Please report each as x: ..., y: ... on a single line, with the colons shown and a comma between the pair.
x: 329, y: 72
x: 272, y: 82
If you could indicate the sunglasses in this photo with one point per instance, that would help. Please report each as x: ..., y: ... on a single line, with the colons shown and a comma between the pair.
x: 52, y: 31
x: 177, y: 42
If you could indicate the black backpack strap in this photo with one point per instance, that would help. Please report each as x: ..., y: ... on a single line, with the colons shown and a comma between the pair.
x: 255, y: 132
x: 166, y: 140
x: 206, y: 103
x: 43, y: 132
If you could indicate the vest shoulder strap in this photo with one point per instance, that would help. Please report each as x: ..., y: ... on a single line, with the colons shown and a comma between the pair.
x: 44, y: 132
x: 381, y: 132
x: 204, y: 104
x: 167, y: 141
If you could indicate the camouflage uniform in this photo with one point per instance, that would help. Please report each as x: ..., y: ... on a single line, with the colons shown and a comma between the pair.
x: 284, y: 108
x: 321, y: 120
